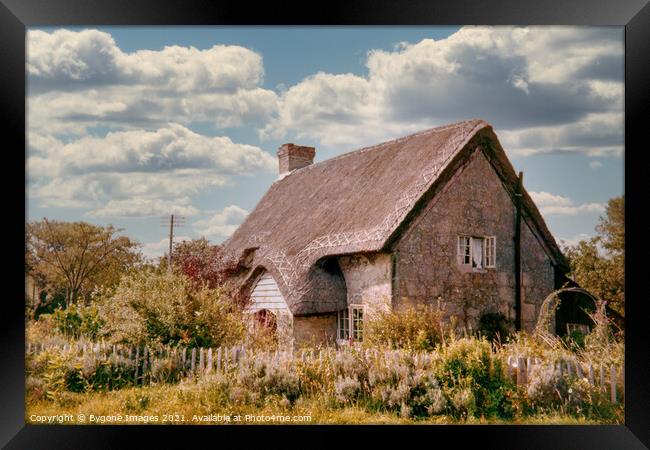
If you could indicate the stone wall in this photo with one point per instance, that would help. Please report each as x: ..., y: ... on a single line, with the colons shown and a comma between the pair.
x: 317, y: 329
x: 473, y: 203
x: 538, y: 278
x: 368, y: 280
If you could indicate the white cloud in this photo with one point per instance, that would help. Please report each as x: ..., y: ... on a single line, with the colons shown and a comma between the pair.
x: 551, y: 204
x: 137, y: 172
x: 222, y: 224
x: 93, y: 57
x: 143, y: 207
x: 546, y: 199
x: 586, y: 208
x: 172, y: 147
x: 78, y: 79
x: 552, y: 82
x: 157, y: 249
x: 594, y: 135
x: 573, y: 240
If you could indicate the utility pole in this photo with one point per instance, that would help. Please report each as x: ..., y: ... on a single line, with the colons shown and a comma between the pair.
x: 171, y: 222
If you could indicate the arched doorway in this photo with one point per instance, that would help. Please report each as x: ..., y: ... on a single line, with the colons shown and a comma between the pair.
x: 266, y: 320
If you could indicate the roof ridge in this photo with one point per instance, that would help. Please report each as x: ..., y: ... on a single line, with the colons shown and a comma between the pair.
x: 392, y: 141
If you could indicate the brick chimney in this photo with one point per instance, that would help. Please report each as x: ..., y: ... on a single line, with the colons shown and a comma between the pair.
x: 291, y: 157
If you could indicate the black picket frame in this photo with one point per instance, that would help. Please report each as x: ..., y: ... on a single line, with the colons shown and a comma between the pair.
x: 16, y: 15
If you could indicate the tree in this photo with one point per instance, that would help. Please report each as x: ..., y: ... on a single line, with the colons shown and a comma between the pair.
x: 202, y: 262
x: 72, y: 259
x: 598, y: 264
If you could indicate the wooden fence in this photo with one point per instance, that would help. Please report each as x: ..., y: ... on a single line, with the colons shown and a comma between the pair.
x: 187, y: 362
x: 606, y: 378
x: 194, y: 362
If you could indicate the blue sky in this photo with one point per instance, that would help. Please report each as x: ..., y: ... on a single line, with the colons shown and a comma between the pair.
x: 126, y: 124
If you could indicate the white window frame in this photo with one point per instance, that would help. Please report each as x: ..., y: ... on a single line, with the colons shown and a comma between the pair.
x: 343, y: 324
x: 462, y: 250
x: 489, y: 245
x: 347, y: 329
x: 356, y: 333
x: 489, y: 252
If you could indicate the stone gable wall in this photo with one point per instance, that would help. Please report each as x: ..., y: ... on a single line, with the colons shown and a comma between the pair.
x: 368, y: 281
x: 474, y: 203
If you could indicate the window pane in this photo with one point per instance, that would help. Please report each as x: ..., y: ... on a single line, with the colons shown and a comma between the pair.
x: 343, y: 326
x: 357, y: 324
x: 464, y: 250
x: 477, y: 253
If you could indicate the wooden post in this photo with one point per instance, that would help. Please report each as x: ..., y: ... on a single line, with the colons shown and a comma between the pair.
x: 521, y: 371
x: 219, y: 359
x: 569, y: 369
x: 184, y: 358
x: 623, y: 378
x: 209, y: 368
x: 144, y: 363
x: 529, y: 367
x: 518, y: 194
x: 612, y: 383
x: 193, y: 366
x: 591, y: 375
x: 137, y: 362
x: 578, y: 369
x: 201, y: 360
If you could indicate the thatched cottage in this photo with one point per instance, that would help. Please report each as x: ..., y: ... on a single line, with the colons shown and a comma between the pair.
x: 438, y: 217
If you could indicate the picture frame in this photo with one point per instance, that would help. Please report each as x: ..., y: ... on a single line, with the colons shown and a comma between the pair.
x: 17, y: 15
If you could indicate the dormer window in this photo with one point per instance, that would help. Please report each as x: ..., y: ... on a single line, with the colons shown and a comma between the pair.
x: 477, y: 252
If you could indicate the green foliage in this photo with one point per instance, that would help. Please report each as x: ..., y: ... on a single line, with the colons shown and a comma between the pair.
x: 68, y: 321
x: 468, y: 365
x: 261, y: 378
x: 152, y: 307
x: 603, y: 274
x: 494, y: 326
x: 80, y: 321
x: 70, y: 260
x: 415, y: 328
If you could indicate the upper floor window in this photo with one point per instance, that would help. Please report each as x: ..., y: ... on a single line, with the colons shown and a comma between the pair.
x: 479, y: 252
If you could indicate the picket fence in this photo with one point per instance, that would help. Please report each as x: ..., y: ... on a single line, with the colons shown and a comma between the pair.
x: 197, y: 361
x: 608, y: 379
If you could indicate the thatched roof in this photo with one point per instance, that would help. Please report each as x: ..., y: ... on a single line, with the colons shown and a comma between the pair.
x: 358, y: 202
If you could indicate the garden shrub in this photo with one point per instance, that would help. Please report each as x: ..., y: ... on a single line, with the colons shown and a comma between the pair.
x: 347, y: 389
x: 158, y: 308
x: 268, y: 377
x: 399, y: 384
x: 416, y: 328
x: 68, y: 321
x: 469, y: 363
x: 494, y: 326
